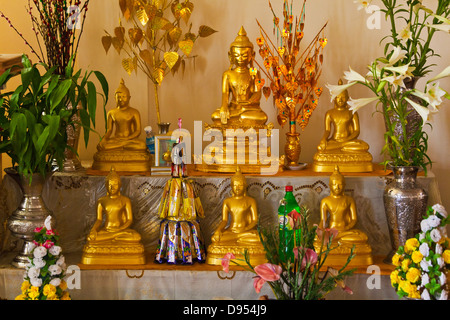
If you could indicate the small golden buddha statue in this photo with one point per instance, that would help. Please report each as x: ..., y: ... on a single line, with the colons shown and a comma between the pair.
x: 341, y: 146
x: 238, y: 229
x: 111, y: 241
x: 338, y: 211
x: 120, y: 147
x: 240, y: 108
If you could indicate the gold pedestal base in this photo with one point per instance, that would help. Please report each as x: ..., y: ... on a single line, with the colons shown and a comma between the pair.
x: 113, y: 254
x: 122, y: 160
x: 215, y: 253
x: 347, y: 162
x: 231, y: 168
x: 338, y: 256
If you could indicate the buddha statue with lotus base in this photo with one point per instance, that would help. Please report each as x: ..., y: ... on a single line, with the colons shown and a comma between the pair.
x: 341, y: 146
x: 238, y: 230
x: 338, y: 211
x: 120, y: 147
x: 239, y: 119
x: 111, y: 241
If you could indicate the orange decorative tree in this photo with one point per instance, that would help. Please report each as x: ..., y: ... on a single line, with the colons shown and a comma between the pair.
x: 293, y: 73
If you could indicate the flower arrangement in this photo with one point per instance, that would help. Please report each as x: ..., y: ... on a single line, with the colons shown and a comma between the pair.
x: 298, y: 275
x: 55, y: 27
x: 393, y: 79
x: 422, y: 264
x: 156, y: 43
x: 44, y: 277
x: 293, y: 74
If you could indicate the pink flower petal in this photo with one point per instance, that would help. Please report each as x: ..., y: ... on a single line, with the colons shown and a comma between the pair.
x: 258, y: 282
x: 226, y: 261
x: 268, y: 271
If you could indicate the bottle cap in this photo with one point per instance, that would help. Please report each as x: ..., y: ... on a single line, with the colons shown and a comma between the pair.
x: 289, y: 188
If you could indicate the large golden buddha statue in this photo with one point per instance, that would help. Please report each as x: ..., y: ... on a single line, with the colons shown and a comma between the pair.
x: 340, y: 144
x: 240, y: 109
x: 238, y: 229
x: 120, y: 147
x: 338, y: 211
x: 111, y: 241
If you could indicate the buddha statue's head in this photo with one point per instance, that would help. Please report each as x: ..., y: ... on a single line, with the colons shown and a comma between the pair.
x: 337, y: 182
x: 113, y: 182
x: 238, y: 183
x: 241, y: 50
x: 342, y: 98
x: 122, y: 94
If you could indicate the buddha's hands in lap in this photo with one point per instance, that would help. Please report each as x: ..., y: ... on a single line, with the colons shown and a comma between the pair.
x: 224, y: 114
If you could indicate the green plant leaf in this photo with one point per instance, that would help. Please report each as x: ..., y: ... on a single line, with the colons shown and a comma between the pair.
x: 59, y: 93
x: 92, y: 101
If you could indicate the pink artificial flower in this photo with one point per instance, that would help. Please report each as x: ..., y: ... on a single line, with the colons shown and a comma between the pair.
x: 296, y: 217
x: 268, y: 271
x: 49, y: 232
x: 38, y: 229
x: 326, y: 234
x: 340, y: 283
x: 226, y: 261
x: 258, y: 282
x: 48, y: 244
x: 309, y: 256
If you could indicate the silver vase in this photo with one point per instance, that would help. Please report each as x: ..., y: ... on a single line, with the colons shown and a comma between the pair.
x: 30, y: 214
x: 405, y: 203
x: 163, y: 127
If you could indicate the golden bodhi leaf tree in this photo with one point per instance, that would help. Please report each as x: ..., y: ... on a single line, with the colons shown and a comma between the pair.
x: 159, y: 41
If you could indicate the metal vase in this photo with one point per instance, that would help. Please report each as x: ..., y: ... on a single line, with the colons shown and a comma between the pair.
x: 405, y: 204
x: 30, y: 214
x: 163, y: 127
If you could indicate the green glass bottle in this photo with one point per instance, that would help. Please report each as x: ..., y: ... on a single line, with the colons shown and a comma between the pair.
x: 286, y: 234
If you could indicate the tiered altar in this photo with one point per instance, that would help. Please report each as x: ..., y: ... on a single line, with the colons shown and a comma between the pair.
x: 72, y: 198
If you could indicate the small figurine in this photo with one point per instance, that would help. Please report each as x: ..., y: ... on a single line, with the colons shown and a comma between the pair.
x: 338, y: 211
x: 238, y: 229
x: 111, y: 241
x: 339, y: 144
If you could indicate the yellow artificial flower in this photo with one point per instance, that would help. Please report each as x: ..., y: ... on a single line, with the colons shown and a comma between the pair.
x: 396, y: 260
x: 21, y: 297
x: 446, y: 256
x: 25, y: 286
x: 33, y: 293
x: 405, y: 286
x: 414, y: 294
x: 411, y: 244
x: 49, y: 290
x: 416, y: 256
x: 405, y: 264
x: 413, y: 275
x: 63, y: 285
x: 394, y: 277
x: 66, y: 296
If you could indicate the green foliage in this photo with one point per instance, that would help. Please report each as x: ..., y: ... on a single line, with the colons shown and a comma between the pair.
x: 34, y: 117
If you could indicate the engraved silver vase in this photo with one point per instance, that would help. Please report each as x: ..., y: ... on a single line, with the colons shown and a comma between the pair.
x: 30, y: 214
x: 405, y: 204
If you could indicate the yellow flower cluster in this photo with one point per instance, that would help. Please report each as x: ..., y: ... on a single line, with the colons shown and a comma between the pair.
x: 49, y: 292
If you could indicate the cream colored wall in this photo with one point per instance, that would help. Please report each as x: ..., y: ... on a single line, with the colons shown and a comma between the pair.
x: 197, y: 94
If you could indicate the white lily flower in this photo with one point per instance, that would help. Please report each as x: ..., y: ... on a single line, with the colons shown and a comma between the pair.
x: 352, y: 75
x: 363, y: 4
x: 356, y: 104
x: 396, y: 80
x: 338, y: 89
x: 397, y: 55
x: 433, y: 96
x: 423, y: 112
x: 405, y: 33
x: 401, y: 70
x: 442, y: 27
x: 443, y: 74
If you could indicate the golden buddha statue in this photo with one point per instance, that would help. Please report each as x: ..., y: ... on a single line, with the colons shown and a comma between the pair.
x: 338, y: 211
x: 111, y: 241
x: 240, y: 108
x: 120, y: 147
x: 341, y: 146
x: 238, y: 229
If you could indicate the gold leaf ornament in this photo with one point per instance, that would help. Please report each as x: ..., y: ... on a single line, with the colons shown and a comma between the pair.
x: 147, y: 56
x: 186, y: 46
x: 136, y: 35
x: 159, y: 23
x: 142, y: 16
x: 171, y: 58
x: 205, y: 31
x: 175, y: 34
x: 159, y: 75
x: 129, y: 65
x: 106, y: 42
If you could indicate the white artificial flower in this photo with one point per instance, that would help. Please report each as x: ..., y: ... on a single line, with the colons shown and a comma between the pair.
x: 438, y: 249
x: 363, y: 4
x: 442, y: 279
x: 397, y: 54
x: 54, y: 270
x: 352, y: 75
x: 421, y: 110
x: 442, y: 27
x: 434, y: 221
x: 425, y: 264
x: 405, y: 33
x: 397, y: 80
x: 424, y: 249
x: 433, y: 96
x: 425, y: 279
x: 61, y: 262
x: 435, y: 235
x: 39, y: 263
x: 335, y: 90
x: 443, y: 231
x: 424, y: 225
x: 421, y: 236
x: 39, y: 252
x: 440, y: 261
x: 443, y: 295
x: 425, y: 295
x: 36, y: 282
x: 356, y: 104
x: 404, y: 70
x: 48, y: 223
x: 55, y: 250
x: 440, y: 208
x: 444, y: 73
x: 55, y: 282
x: 34, y: 272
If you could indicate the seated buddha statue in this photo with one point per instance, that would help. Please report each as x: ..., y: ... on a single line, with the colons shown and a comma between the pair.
x: 238, y: 229
x: 340, y: 144
x: 120, y: 146
x: 338, y: 211
x: 111, y: 241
